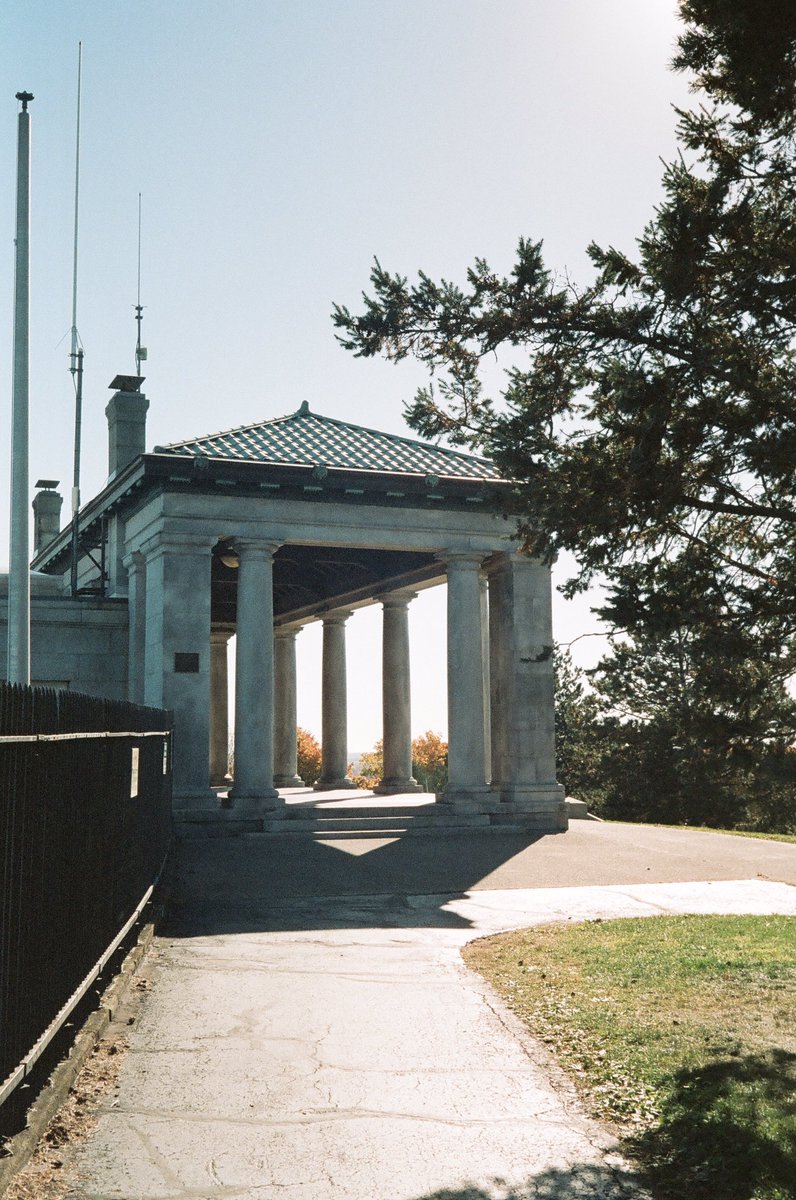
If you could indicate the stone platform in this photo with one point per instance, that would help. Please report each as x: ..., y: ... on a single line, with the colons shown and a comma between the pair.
x: 361, y: 813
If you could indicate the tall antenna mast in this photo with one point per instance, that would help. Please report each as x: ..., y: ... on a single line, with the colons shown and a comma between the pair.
x: 140, y: 351
x: 75, y: 336
x: 76, y: 353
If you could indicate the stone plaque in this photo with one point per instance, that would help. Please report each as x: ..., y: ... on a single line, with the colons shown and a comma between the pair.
x: 186, y: 664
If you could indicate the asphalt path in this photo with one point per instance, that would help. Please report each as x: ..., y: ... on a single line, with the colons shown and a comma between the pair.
x: 225, y: 883
x: 311, y: 1032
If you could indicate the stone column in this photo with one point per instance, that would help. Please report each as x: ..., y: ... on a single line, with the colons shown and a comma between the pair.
x: 285, y: 748
x: 135, y: 565
x: 253, y: 789
x: 498, y: 680
x: 523, y: 726
x: 219, y: 708
x: 334, y: 719
x: 177, y: 660
x: 467, y: 786
x: 396, y: 698
x: 487, y: 674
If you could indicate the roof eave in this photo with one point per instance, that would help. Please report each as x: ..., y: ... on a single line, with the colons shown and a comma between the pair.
x: 150, y: 471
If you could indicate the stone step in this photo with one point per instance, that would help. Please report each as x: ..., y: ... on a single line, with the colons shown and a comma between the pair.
x: 382, y: 822
x: 359, y: 812
x: 398, y: 831
x: 349, y: 819
x: 374, y: 825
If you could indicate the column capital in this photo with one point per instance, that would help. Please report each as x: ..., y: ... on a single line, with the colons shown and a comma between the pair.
x: 287, y: 632
x: 220, y: 637
x: 134, y: 560
x: 337, y: 618
x: 256, y: 547
x: 396, y: 599
x: 189, y: 545
x: 145, y: 547
x: 462, y: 560
x: 506, y: 560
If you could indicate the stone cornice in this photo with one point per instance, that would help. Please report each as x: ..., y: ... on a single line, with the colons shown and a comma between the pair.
x: 152, y: 473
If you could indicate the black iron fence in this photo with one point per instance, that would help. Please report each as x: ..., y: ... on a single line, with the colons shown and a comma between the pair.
x: 85, y: 825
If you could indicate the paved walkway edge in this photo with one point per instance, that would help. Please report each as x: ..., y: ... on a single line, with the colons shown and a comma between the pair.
x: 20, y: 1148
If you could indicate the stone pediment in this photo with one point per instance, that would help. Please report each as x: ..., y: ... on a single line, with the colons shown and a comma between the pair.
x: 305, y: 438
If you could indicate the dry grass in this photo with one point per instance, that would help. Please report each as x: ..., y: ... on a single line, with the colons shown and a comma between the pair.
x: 49, y: 1174
x: 45, y: 1177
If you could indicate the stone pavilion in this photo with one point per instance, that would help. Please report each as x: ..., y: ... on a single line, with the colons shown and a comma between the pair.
x: 260, y: 530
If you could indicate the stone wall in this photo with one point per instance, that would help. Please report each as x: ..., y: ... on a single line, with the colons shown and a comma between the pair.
x: 80, y: 644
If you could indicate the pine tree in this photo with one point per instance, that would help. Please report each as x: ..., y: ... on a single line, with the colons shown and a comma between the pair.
x: 654, y: 416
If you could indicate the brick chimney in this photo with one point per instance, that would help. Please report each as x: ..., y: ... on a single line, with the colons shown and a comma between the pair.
x: 126, y: 412
x: 46, y: 514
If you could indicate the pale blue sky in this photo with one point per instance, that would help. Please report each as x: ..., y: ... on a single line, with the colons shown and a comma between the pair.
x: 279, y: 146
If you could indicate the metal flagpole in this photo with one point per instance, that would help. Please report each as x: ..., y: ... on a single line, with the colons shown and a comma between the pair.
x: 76, y: 355
x: 19, y: 555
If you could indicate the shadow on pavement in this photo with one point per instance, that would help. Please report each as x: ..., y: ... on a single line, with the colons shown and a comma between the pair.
x: 585, y: 1181
x: 726, y: 1133
x: 245, y: 884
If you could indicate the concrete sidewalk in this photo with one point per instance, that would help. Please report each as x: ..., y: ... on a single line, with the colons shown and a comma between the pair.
x: 312, y: 1033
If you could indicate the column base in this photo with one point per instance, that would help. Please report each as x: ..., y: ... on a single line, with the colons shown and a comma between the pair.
x: 333, y: 785
x: 544, y: 804
x: 288, y: 781
x: 194, y: 802
x: 397, y: 787
x: 254, y: 803
x: 479, y: 798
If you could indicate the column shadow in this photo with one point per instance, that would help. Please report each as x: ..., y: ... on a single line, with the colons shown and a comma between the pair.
x: 261, y: 883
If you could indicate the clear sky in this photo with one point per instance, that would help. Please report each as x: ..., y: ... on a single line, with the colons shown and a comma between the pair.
x: 279, y: 145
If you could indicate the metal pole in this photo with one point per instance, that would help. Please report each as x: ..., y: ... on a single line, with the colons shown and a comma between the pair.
x: 76, y: 355
x: 19, y: 556
x: 75, y: 550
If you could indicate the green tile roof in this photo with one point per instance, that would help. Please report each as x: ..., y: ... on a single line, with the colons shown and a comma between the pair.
x: 305, y: 438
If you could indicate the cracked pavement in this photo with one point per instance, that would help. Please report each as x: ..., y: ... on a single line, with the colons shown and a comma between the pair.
x: 309, y: 1041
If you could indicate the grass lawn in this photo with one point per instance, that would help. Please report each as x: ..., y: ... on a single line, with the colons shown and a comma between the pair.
x: 747, y: 833
x: 768, y: 837
x: 679, y: 1031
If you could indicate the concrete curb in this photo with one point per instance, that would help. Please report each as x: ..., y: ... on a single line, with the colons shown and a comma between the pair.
x: 21, y: 1147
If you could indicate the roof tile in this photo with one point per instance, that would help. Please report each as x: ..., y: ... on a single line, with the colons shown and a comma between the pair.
x: 305, y: 438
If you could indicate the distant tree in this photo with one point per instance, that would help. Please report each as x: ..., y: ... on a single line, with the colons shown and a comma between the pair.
x: 685, y: 726
x: 430, y: 761
x: 577, y: 730
x: 309, y: 756
x: 648, y: 414
x: 707, y: 697
x: 371, y: 767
